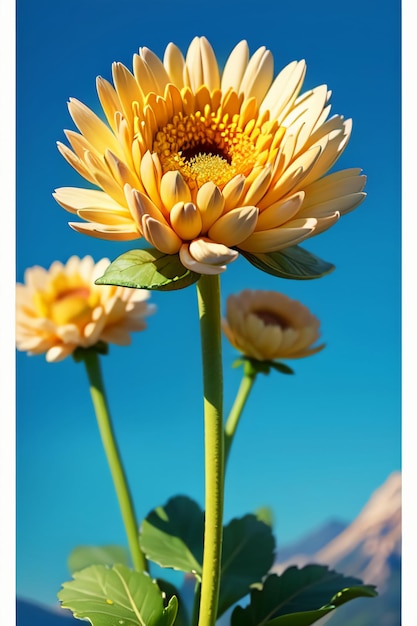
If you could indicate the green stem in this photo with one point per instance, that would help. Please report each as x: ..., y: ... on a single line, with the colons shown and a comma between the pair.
x: 98, y: 395
x: 208, y: 291
x: 232, y: 422
x: 196, y: 603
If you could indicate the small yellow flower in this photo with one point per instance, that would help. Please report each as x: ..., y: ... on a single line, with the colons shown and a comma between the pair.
x: 61, y: 309
x: 266, y: 325
x: 204, y: 163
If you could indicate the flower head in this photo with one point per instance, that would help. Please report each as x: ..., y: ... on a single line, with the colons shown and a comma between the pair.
x: 205, y: 163
x: 266, y: 325
x: 61, y: 309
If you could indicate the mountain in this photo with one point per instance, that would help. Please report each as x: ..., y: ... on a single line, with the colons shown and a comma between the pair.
x: 313, y: 541
x: 369, y: 548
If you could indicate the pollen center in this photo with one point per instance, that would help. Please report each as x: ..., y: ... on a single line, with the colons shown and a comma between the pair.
x: 205, y: 148
x: 270, y: 318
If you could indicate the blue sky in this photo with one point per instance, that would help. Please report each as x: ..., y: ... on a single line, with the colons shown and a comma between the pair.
x: 312, y: 446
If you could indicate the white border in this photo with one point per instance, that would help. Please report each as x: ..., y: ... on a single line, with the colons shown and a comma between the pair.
x: 7, y: 315
x: 409, y: 314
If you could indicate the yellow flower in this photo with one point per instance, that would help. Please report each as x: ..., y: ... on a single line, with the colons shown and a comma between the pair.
x: 266, y: 325
x: 204, y: 163
x: 60, y: 309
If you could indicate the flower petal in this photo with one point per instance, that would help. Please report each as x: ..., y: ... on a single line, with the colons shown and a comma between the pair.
x: 210, y: 202
x: 160, y: 235
x: 235, y: 226
x: 235, y: 67
x: 199, y: 268
x: 258, y: 75
x: 58, y: 353
x: 205, y: 251
x: 92, y: 127
x: 156, y: 68
x: 75, y: 198
x: 127, y: 89
x: 100, y: 231
x: 304, y: 115
x: 186, y: 220
x: 278, y: 238
x: 174, y: 64
x: 280, y: 212
x: 284, y: 90
x: 174, y: 189
x: 342, y: 204
x: 106, y: 217
x: 140, y: 205
x: 109, y: 101
x: 150, y: 170
x: 259, y: 186
x: 232, y: 192
x: 334, y: 185
x: 202, y: 65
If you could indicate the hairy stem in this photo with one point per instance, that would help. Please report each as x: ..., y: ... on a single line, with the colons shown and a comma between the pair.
x: 208, y: 291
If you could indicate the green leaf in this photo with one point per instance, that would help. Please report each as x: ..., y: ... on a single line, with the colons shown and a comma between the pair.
x: 83, y: 556
x: 300, y: 619
x: 100, y: 347
x: 266, y: 515
x: 350, y: 593
x: 253, y: 366
x: 309, y: 617
x: 299, y: 597
x: 247, y: 556
x: 293, y: 262
x: 108, y: 596
x: 168, y: 591
x: 148, y: 269
x: 172, y: 535
x: 281, y: 367
x: 240, y: 362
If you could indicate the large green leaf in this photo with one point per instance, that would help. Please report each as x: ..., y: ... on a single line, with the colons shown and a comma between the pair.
x: 293, y: 262
x: 172, y: 535
x: 248, y: 554
x: 309, y: 617
x: 299, y: 597
x: 108, y: 596
x: 148, y: 269
x: 83, y: 556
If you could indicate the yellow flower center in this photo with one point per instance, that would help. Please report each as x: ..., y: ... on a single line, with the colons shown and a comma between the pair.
x: 205, y: 148
x: 270, y: 318
x: 66, y: 302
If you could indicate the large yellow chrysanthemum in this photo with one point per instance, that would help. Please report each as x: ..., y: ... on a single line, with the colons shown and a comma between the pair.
x: 61, y: 309
x: 205, y: 163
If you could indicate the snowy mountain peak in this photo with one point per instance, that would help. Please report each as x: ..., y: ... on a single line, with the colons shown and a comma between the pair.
x: 369, y: 547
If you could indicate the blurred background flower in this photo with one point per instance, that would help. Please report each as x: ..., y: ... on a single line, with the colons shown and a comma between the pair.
x: 61, y: 309
x: 267, y: 325
x: 205, y: 163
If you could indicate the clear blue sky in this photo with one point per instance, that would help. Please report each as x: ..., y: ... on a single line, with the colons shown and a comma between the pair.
x: 312, y: 446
